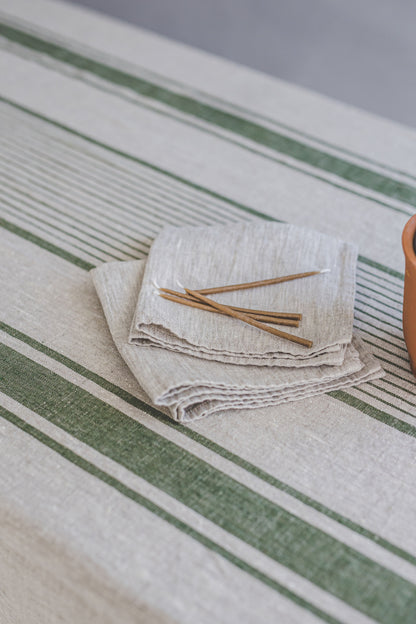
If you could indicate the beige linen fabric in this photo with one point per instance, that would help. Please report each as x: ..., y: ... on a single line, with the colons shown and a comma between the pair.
x: 192, y: 387
x: 244, y: 252
x: 110, y: 511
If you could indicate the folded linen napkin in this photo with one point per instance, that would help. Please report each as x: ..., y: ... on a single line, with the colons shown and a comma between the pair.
x: 192, y: 388
x: 202, y: 257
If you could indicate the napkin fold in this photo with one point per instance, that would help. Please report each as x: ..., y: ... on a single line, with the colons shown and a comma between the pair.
x: 194, y: 387
x: 203, y: 257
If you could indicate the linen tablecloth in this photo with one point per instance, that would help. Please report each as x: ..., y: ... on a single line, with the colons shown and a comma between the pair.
x: 110, y: 512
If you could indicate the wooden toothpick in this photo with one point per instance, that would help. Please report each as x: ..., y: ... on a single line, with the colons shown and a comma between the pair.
x: 267, y: 282
x: 248, y: 319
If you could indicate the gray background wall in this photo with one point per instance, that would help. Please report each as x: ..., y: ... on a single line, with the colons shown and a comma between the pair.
x: 362, y: 52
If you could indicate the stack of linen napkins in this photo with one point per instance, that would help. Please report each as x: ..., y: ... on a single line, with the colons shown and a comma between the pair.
x: 196, y: 362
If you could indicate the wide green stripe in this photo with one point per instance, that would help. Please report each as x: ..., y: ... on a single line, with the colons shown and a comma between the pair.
x: 235, y: 107
x: 326, y: 562
x: 255, y: 132
x: 216, y: 448
x: 40, y: 242
x: 161, y: 513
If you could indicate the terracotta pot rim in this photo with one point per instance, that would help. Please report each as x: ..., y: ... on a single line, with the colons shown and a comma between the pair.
x: 408, y: 236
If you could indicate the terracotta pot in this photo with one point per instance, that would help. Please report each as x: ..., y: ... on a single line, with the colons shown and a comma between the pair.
x: 409, y: 300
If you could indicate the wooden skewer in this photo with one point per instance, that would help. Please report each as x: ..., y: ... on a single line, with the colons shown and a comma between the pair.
x: 267, y: 282
x: 193, y: 303
x: 248, y: 319
x: 260, y: 313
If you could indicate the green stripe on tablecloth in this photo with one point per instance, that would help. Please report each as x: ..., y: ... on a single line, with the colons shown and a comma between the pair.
x: 371, y: 264
x: 75, y: 224
x: 17, y: 175
x: 134, y: 159
x: 261, y: 135
x: 177, y: 178
x: 370, y: 410
x: 40, y: 242
x: 323, y: 560
x: 142, y: 180
x: 213, y: 446
x: 396, y: 407
x: 83, y: 182
x: 93, y: 470
x: 374, y: 412
x: 204, y: 96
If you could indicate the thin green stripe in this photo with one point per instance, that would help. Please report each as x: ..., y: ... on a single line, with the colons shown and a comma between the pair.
x: 236, y: 107
x: 130, y: 212
x: 381, y: 267
x: 397, y: 288
x: 379, y: 308
x: 383, y: 323
x: 18, y: 210
x: 374, y: 344
x: 197, y: 437
x: 374, y: 412
x: 388, y: 381
x: 65, y: 167
x: 395, y: 308
x: 166, y: 189
x: 398, y: 327
x: 161, y: 513
x: 384, y: 340
x: 139, y: 209
x: 238, y: 125
x: 396, y: 396
x: 57, y: 237
x: 72, y: 222
x: 177, y: 178
x: 382, y: 294
x: 410, y: 379
x: 340, y: 396
x: 393, y: 364
x: 40, y: 242
x: 134, y: 159
x: 377, y: 398
x: 95, y: 179
x: 90, y: 208
x: 323, y: 560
